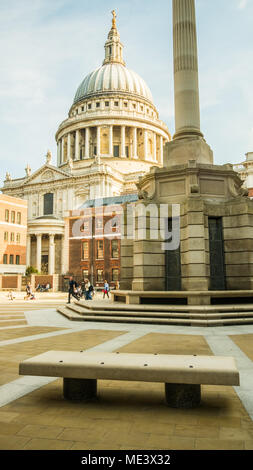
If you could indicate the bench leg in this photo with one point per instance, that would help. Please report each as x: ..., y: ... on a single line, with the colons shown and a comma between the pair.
x: 182, y: 395
x: 79, y: 389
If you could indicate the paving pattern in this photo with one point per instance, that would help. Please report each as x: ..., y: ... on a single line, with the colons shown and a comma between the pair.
x: 129, y: 415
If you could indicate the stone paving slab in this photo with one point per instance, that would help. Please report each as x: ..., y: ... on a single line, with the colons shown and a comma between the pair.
x: 128, y: 415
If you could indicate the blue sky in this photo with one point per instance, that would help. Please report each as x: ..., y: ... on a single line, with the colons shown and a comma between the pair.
x: 47, y: 48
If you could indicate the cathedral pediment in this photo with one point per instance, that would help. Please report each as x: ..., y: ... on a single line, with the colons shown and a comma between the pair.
x: 47, y: 174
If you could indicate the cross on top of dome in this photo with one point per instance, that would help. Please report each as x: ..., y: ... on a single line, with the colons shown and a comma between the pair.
x: 113, y: 46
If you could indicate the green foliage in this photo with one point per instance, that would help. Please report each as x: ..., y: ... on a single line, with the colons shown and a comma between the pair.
x: 31, y: 270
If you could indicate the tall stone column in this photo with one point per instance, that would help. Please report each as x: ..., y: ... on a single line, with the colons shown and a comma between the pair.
x: 188, y: 142
x: 161, y: 149
x: 38, y: 252
x: 69, y: 146
x: 123, y: 141
x: 135, y: 142
x: 58, y: 153
x: 98, y: 141
x: 87, y: 142
x: 77, y: 145
x: 28, y: 250
x: 186, y: 85
x: 154, y: 144
x: 51, y: 255
x: 62, y: 149
x: 111, y: 141
x: 145, y: 144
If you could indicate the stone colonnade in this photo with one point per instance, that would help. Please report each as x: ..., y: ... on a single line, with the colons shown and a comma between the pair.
x: 50, y: 252
x: 113, y: 141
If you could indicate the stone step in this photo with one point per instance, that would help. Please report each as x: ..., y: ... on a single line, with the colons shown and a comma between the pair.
x: 72, y: 315
x: 84, y: 311
x: 165, y: 308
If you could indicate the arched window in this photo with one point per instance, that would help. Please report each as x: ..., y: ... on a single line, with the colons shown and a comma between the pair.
x: 48, y: 204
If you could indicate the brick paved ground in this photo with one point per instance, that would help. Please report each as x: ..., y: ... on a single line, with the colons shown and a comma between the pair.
x: 128, y: 415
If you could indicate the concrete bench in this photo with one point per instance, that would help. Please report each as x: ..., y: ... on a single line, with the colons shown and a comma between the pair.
x: 182, y: 375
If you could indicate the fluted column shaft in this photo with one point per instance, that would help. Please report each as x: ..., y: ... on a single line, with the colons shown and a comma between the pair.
x: 186, y: 86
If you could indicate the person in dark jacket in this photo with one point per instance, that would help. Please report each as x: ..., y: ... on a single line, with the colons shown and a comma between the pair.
x: 72, y: 289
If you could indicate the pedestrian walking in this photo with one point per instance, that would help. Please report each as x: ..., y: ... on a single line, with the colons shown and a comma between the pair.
x: 72, y: 289
x: 106, y: 289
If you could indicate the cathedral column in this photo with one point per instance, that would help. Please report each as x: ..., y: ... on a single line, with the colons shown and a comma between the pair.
x: 69, y: 147
x: 51, y: 255
x: 38, y: 252
x: 123, y: 141
x: 77, y: 145
x: 145, y: 144
x: 135, y: 142
x: 62, y: 149
x: 58, y: 153
x: 87, y: 142
x: 161, y: 149
x: 186, y: 86
x: 98, y: 141
x: 111, y: 141
x: 28, y: 250
x: 154, y: 145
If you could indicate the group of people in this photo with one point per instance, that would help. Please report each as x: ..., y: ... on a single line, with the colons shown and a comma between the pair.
x: 85, y: 289
x: 43, y: 287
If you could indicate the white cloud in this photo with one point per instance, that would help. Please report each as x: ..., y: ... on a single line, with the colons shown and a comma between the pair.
x: 242, y: 4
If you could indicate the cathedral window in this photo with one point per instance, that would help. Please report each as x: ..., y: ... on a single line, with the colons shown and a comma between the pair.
x: 48, y: 204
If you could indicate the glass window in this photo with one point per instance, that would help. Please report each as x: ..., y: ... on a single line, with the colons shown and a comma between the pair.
x: 18, y: 238
x: 116, y: 150
x: 115, y: 248
x: 48, y: 204
x: 100, y: 275
x: 116, y: 103
x: 85, y: 273
x: 11, y: 259
x: 100, y: 249
x: 6, y: 215
x: 19, y: 218
x: 5, y: 259
x: 115, y: 275
x: 12, y: 237
x: 89, y: 106
x: 17, y: 259
x: 12, y: 217
x: 85, y: 250
x: 6, y: 236
x: 98, y: 105
x: 107, y: 103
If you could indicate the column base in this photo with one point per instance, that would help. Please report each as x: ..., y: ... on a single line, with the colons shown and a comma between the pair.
x: 182, y: 395
x: 79, y: 389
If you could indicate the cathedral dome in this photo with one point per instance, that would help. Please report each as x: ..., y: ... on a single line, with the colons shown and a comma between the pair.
x: 113, y: 77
